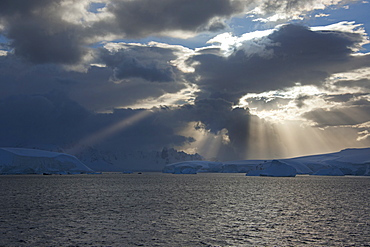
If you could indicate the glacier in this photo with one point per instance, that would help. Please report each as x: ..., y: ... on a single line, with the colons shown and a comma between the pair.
x: 354, y: 161
x: 33, y: 161
x: 332, y: 171
x: 140, y: 160
x: 275, y: 169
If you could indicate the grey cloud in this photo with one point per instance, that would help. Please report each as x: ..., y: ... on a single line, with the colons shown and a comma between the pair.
x: 241, y: 127
x: 12, y: 7
x: 339, y: 116
x: 144, y: 17
x: 216, y: 115
x: 54, y: 119
x: 299, y: 55
x: 299, y: 101
x: 39, y: 42
x: 347, y: 97
x: 149, y: 63
x: 364, y: 83
x: 92, y: 89
x: 38, y: 33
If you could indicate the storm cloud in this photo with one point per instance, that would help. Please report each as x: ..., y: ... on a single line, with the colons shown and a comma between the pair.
x: 296, y: 55
x: 144, y: 17
x: 55, y: 120
x: 38, y: 33
x: 61, y: 31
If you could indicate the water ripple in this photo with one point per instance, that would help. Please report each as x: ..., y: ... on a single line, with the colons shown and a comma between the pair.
x: 184, y: 210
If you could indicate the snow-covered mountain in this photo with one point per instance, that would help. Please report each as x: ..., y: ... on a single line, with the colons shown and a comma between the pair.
x: 345, y: 162
x: 34, y: 161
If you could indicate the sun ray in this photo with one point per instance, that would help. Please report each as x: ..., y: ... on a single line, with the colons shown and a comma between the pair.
x: 108, y: 131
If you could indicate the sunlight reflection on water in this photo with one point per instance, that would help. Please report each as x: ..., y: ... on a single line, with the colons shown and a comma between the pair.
x: 157, y: 209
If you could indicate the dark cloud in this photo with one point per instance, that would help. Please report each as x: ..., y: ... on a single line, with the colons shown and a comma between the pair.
x: 149, y: 63
x: 39, y: 41
x: 343, y: 98
x: 92, y: 89
x: 297, y: 54
x: 38, y: 33
x: 144, y: 17
x: 216, y: 115
x: 56, y: 120
x: 339, y: 116
x: 41, y: 32
x: 13, y: 7
x: 363, y: 83
x: 300, y: 100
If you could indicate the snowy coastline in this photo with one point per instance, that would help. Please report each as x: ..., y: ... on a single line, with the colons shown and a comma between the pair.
x: 346, y: 162
x: 354, y: 162
x: 33, y: 161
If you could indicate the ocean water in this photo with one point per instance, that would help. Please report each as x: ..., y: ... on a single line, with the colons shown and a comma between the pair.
x: 155, y: 209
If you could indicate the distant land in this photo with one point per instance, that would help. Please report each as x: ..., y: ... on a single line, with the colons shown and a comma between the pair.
x: 34, y: 161
x: 346, y: 162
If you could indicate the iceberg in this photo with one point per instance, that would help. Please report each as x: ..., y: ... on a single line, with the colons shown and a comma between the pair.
x: 355, y: 161
x: 34, y: 161
x: 192, y: 167
x: 332, y: 171
x: 185, y: 170
x: 275, y: 169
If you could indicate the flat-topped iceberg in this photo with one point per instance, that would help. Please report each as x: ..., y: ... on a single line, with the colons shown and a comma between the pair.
x: 33, y: 161
x: 332, y: 171
x: 275, y: 168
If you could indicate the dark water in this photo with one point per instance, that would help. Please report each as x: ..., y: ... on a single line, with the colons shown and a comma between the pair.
x: 184, y: 210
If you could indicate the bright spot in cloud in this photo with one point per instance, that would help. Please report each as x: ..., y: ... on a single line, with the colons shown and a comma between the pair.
x: 249, y: 42
x: 285, y: 103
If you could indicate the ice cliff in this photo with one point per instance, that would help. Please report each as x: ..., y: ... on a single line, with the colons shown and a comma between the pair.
x: 32, y: 161
x: 346, y: 162
x: 103, y: 160
x: 332, y: 171
x: 275, y: 168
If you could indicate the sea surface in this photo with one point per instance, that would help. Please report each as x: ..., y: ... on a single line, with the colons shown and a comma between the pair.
x: 155, y: 209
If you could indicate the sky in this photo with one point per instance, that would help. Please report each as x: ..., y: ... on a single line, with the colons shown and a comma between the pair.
x: 228, y: 79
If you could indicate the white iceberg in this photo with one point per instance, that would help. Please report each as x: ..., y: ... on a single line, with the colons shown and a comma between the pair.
x: 275, y: 169
x: 33, y: 161
x: 332, y: 171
